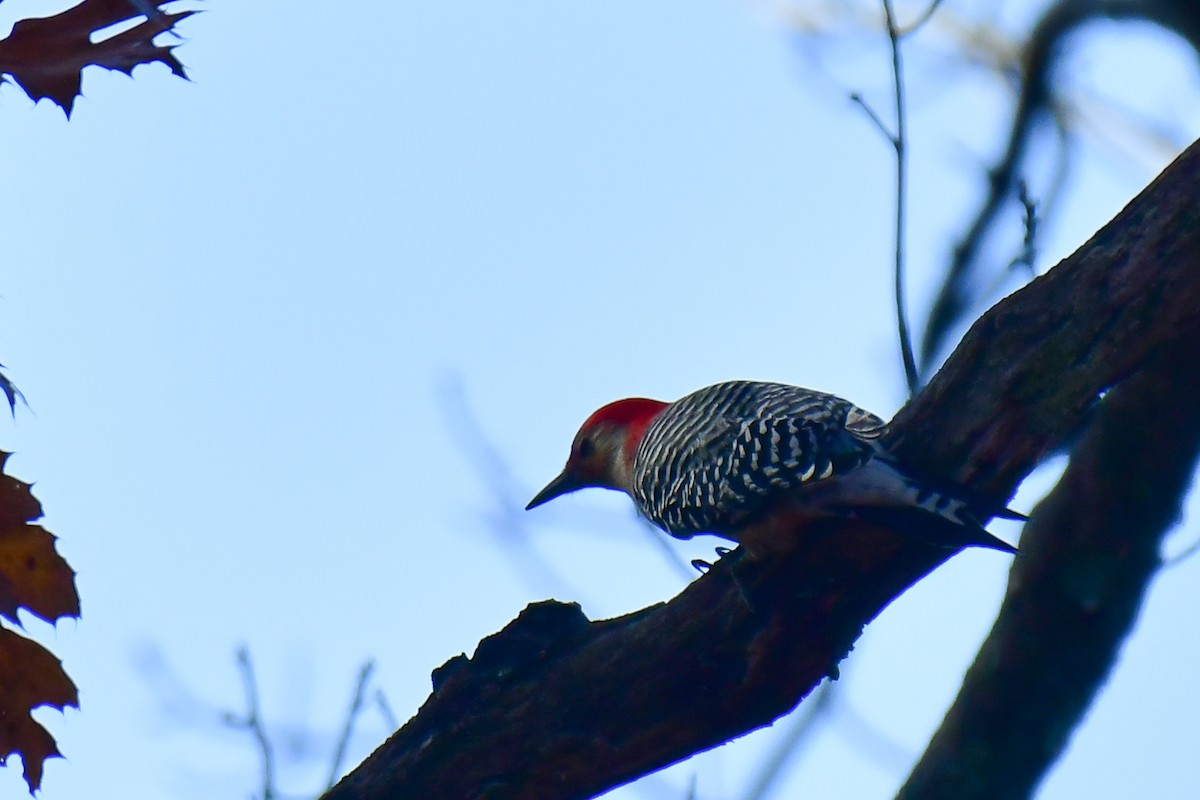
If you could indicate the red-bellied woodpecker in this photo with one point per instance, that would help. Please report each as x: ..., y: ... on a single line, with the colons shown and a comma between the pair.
x: 720, y: 459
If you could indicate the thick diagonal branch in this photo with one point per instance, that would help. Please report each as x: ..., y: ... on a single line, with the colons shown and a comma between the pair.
x: 555, y: 706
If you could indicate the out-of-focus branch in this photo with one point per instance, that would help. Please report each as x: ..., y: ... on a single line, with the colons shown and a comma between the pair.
x: 352, y: 713
x: 555, y: 706
x: 507, y: 521
x: 916, y: 25
x: 253, y: 722
x: 799, y: 734
x: 1041, y: 55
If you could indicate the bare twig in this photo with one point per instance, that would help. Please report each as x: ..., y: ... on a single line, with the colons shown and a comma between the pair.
x: 803, y: 724
x: 1028, y: 256
x: 667, y: 550
x: 920, y: 21
x: 899, y: 142
x: 1183, y: 555
x: 385, y: 710
x: 1057, y: 185
x: 253, y: 722
x: 356, y: 704
x: 868, y: 740
x: 508, y: 498
x: 857, y: 98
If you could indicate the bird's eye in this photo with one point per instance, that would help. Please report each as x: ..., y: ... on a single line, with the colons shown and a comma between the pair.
x: 585, y: 447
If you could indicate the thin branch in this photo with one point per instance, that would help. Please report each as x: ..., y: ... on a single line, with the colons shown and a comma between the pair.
x: 899, y: 142
x: 253, y: 721
x: 509, y: 525
x: 1028, y: 256
x: 180, y: 704
x: 1056, y: 187
x: 857, y: 98
x: 920, y: 21
x: 667, y: 550
x: 801, y: 730
x: 1183, y: 555
x: 356, y: 704
x: 869, y: 741
x: 385, y: 710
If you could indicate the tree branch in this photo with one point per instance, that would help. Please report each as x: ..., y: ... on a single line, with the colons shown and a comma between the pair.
x: 1088, y: 555
x: 555, y: 706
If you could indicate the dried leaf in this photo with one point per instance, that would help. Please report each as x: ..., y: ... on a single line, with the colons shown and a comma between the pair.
x: 30, y: 677
x: 32, y: 576
x: 46, y: 55
x: 11, y: 392
x: 17, y: 504
x: 32, y: 573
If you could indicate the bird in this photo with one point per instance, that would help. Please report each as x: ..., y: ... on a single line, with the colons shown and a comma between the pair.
x: 730, y: 458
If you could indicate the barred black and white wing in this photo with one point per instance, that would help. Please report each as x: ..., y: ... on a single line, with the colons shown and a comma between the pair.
x: 715, y: 457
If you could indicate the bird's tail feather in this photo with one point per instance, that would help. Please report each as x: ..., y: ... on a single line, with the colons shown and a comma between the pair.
x: 937, y: 529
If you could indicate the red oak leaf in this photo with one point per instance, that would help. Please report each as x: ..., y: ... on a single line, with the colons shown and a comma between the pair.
x: 46, y: 55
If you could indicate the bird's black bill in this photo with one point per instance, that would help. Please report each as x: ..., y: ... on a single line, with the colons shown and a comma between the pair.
x: 561, y: 485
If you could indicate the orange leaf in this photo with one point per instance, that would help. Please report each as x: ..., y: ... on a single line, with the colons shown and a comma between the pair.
x: 46, y: 55
x: 34, y: 576
x: 30, y: 677
x: 32, y: 573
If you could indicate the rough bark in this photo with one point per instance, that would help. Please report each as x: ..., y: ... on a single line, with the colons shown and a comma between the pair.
x: 555, y: 706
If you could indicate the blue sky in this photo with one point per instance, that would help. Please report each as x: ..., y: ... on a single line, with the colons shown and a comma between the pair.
x: 256, y: 315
